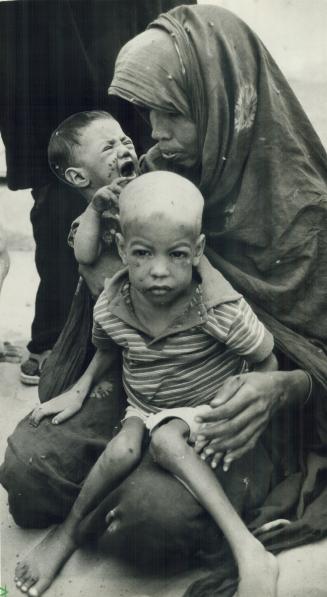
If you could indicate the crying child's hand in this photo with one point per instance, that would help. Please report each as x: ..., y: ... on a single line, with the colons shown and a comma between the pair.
x: 107, y: 197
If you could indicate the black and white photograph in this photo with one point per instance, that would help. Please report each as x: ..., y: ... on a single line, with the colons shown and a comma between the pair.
x: 163, y: 298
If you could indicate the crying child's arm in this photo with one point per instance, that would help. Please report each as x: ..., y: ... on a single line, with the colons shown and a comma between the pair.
x: 88, y: 241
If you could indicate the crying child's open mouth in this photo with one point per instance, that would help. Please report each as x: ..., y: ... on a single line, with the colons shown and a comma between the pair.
x: 127, y: 169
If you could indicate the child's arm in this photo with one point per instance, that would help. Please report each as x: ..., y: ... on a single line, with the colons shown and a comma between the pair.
x: 70, y: 402
x: 248, y: 338
x: 270, y: 363
x: 87, y: 242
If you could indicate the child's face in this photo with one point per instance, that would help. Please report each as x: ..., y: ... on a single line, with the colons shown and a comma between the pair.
x: 160, y: 255
x: 105, y: 153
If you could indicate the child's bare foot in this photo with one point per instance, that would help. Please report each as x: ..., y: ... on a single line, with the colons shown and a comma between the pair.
x: 37, y: 571
x: 103, y: 389
x: 258, y: 573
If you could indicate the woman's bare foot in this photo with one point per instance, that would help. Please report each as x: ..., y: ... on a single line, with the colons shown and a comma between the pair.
x: 258, y: 574
x: 37, y: 571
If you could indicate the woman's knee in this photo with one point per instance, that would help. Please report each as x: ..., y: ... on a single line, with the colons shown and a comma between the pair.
x: 34, y: 502
x: 154, y: 513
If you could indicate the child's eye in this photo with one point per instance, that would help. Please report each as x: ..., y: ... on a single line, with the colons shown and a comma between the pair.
x: 178, y: 255
x: 141, y: 253
x: 107, y: 147
x: 127, y: 141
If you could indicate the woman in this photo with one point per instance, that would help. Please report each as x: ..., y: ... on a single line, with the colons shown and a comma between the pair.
x: 222, y: 115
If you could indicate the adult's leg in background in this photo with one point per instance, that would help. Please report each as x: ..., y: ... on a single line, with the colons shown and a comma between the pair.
x: 55, y: 207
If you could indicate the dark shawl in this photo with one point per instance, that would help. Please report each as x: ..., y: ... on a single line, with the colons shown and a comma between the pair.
x: 263, y: 167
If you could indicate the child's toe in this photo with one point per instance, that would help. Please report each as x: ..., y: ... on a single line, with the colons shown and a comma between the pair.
x: 23, y: 579
x: 28, y: 584
x: 19, y: 570
x: 39, y: 587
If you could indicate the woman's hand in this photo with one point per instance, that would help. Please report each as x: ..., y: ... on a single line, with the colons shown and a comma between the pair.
x: 63, y: 406
x: 240, y: 412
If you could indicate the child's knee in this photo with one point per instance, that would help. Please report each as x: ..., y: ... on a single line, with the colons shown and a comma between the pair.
x: 168, y: 442
x: 123, y: 449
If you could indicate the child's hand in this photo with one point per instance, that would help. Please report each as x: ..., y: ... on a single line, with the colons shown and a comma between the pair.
x: 107, y: 198
x: 67, y: 405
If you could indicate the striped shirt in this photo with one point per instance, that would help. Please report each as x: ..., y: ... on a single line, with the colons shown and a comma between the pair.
x: 185, y: 365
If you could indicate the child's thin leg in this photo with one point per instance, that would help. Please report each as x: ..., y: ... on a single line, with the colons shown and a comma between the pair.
x: 37, y: 571
x: 258, y: 569
x: 120, y: 457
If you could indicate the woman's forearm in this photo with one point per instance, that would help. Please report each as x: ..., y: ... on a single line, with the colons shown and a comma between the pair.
x: 295, y: 386
x: 244, y: 406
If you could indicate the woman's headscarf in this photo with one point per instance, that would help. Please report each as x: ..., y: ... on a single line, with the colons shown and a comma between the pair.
x: 263, y: 167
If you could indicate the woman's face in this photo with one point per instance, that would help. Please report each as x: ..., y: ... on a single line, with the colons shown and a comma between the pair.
x: 176, y: 137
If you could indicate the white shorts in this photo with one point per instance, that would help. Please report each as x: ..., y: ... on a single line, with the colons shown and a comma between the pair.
x: 185, y: 413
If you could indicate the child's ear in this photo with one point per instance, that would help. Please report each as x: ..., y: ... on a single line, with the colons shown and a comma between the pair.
x: 77, y: 177
x: 199, y: 249
x: 120, y: 241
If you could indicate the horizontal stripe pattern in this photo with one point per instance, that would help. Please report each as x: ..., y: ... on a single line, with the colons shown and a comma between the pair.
x: 184, y: 368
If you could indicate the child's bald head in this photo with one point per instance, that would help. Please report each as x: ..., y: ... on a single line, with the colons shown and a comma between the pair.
x: 161, y: 240
x: 162, y: 195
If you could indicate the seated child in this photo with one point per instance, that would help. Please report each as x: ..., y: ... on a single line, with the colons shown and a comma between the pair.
x: 182, y: 330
